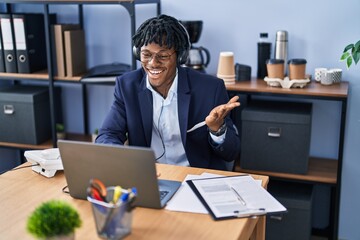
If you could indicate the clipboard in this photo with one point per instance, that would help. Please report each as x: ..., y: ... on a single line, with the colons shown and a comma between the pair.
x: 235, y: 197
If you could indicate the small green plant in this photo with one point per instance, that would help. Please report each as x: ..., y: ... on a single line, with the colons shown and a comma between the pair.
x: 351, y: 54
x: 53, y: 218
x: 60, y: 127
x: 96, y: 131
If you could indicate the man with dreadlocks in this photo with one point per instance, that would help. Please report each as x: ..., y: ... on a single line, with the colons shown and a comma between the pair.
x: 180, y: 113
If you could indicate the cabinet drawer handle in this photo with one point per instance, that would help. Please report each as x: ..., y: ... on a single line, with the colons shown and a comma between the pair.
x: 275, y: 217
x: 274, y: 132
x: 9, y: 109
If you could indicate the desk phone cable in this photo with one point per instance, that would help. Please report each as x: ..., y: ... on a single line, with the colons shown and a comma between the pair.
x: 13, y: 169
x: 65, y: 191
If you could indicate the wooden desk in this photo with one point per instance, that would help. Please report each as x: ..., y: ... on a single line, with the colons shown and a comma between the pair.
x: 23, y: 190
x: 312, y: 89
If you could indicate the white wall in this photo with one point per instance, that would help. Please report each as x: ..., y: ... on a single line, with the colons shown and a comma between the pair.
x: 318, y: 31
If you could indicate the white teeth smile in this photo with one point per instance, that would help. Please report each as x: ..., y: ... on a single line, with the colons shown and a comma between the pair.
x: 155, y: 72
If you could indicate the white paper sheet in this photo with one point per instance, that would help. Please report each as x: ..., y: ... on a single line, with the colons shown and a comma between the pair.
x: 185, y: 199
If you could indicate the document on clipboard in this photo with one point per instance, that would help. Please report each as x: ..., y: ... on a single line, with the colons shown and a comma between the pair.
x: 234, y: 197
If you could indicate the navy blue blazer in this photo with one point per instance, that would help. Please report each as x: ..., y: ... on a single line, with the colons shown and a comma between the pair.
x: 132, y: 113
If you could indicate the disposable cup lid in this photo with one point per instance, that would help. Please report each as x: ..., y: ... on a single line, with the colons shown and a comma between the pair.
x: 242, y: 68
x: 275, y: 61
x: 297, y: 61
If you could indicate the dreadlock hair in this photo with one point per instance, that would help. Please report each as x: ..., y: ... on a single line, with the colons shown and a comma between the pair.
x: 165, y: 31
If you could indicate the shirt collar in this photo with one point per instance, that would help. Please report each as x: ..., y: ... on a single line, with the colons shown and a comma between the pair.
x: 173, y: 89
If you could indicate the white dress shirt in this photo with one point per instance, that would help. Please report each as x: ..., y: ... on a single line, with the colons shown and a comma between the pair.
x: 166, y: 138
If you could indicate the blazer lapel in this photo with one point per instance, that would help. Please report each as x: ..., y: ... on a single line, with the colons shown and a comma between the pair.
x: 146, y: 109
x: 183, y: 102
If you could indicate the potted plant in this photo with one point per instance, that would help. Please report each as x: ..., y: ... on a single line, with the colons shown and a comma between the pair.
x: 95, y: 134
x: 54, y: 219
x: 351, y: 54
x: 60, y: 131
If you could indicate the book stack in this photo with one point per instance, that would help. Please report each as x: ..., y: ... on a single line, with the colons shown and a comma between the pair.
x: 70, y: 51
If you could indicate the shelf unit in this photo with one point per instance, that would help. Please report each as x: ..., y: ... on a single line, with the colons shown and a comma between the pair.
x: 322, y: 171
x: 48, y: 74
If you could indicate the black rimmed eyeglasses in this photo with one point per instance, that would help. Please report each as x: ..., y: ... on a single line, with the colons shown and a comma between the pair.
x: 147, y: 56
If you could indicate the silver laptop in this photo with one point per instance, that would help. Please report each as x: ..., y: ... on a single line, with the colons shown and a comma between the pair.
x: 114, y: 165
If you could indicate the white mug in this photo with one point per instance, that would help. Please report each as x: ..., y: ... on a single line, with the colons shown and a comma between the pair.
x: 318, y: 73
x: 337, y: 74
x: 331, y: 76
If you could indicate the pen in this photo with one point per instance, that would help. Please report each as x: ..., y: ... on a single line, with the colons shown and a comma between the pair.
x: 117, y: 193
x: 198, y: 125
x: 251, y: 213
x: 131, y: 200
x: 238, y: 196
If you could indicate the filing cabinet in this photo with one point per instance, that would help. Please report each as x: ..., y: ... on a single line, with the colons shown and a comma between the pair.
x: 296, y: 223
x: 25, y: 114
x: 275, y: 136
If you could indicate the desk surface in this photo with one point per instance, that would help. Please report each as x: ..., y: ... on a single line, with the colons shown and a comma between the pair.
x: 314, y: 89
x: 23, y: 190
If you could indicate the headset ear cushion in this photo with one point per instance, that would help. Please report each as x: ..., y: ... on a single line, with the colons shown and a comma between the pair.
x: 136, y: 52
x: 183, y: 56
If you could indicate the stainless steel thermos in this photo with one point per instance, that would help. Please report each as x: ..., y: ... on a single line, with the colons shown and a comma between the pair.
x: 281, y: 47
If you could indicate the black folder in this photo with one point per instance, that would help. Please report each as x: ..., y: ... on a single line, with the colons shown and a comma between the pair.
x: 7, y: 35
x: 30, y: 42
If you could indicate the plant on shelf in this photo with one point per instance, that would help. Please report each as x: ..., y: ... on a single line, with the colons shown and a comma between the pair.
x: 95, y: 134
x: 351, y: 54
x: 60, y: 131
x: 54, y: 219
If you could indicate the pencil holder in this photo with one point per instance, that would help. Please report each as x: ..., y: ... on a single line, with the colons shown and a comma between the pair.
x: 113, y: 221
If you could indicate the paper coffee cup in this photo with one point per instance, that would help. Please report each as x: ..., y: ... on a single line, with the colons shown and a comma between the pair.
x: 226, y: 67
x: 297, y: 69
x: 275, y: 68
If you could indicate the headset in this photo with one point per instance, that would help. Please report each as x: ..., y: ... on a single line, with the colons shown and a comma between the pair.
x: 182, y: 56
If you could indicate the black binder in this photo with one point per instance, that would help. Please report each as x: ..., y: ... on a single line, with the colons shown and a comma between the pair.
x: 2, y: 64
x: 8, y: 43
x: 30, y: 44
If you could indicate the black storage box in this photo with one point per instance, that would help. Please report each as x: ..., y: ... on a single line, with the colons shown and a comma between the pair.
x: 275, y: 136
x: 25, y: 114
x: 296, y: 223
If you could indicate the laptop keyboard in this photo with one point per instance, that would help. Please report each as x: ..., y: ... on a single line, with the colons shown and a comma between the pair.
x: 163, y: 194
